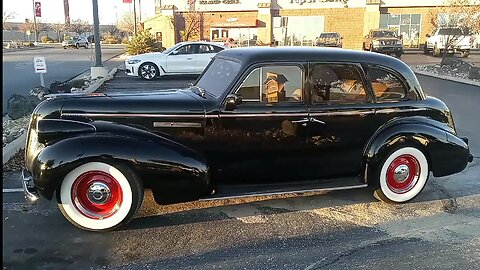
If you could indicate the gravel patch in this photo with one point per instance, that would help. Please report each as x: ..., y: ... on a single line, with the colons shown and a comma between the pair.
x: 13, y: 129
x: 15, y: 163
x: 445, y: 70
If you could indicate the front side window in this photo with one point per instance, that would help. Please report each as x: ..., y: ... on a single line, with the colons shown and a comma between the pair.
x: 187, y: 49
x: 273, y: 84
x: 385, y: 85
x: 339, y: 83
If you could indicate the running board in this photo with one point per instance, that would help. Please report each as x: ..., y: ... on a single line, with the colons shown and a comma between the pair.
x: 242, y: 191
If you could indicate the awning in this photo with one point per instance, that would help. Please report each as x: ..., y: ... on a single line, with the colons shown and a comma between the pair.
x: 233, y: 22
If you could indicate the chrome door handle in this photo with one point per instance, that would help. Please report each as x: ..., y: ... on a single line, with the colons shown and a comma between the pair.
x: 304, y: 120
x: 316, y: 121
x: 189, y: 58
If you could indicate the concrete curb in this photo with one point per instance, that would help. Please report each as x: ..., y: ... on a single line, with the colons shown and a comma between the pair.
x: 12, y: 148
x: 446, y: 77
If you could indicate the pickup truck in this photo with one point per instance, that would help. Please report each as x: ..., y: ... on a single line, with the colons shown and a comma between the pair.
x: 451, y: 39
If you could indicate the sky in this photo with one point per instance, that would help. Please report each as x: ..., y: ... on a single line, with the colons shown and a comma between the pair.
x: 52, y: 10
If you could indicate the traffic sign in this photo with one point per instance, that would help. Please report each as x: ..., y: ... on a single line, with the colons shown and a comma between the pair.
x: 39, y: 64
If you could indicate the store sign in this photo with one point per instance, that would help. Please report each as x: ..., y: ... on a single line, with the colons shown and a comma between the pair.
x: 301, y: 2
x: 213, y: 2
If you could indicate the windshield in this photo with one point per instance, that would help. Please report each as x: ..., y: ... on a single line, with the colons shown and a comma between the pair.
x: 384, y: 34
x: 450, y: 31
x: 328, y: 35
x: 218, y: 75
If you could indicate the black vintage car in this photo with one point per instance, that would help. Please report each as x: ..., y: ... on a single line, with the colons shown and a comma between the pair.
x: 257, y: 121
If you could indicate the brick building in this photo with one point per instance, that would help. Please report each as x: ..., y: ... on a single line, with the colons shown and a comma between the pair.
x: 290, y: 22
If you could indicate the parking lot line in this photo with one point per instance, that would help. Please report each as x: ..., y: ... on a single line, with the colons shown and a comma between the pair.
x: 12, y: 190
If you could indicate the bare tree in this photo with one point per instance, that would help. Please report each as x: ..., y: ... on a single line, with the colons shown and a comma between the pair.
x: 463, y: 14
x: 7, y: 16
x: 30, y: 26
x: 191, y: 23
x: 58, y: 28
x: 126, y: 24
x: 79, y: 26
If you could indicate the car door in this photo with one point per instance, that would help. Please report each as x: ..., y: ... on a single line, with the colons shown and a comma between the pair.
x: 342, y: 119
x: 182, y: 60
x: 205, y: 54
x: 263, y: 139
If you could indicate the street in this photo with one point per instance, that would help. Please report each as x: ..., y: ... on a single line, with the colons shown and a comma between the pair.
x: 19, y: 77
x: 337, y: 230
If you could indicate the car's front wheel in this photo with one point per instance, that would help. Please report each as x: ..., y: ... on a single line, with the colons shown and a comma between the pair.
x: 148, y: 71
x: 77, y: 46
x: 403, y: 174
x: 97, y: 196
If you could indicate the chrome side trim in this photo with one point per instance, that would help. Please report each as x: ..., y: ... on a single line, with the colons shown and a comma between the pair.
x: 147, y: 115
x: 340, y: 113
x: 400, y: 110
x: 177, y: 124
x: 252, y: 115
x: 285, y: 192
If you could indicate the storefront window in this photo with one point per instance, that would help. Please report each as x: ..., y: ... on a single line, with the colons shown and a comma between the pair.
x: 406, y: 25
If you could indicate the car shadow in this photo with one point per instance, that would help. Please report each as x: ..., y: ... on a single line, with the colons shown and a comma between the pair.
x: 152, y: 215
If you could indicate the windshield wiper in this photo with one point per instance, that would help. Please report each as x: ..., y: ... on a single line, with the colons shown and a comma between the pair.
x: 200, y: 91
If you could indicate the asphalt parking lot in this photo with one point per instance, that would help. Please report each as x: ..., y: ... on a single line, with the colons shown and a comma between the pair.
x: 440, y: 229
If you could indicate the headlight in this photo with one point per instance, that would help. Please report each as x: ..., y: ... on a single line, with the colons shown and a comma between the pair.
x: 133, y: 61
x: 376, y: 43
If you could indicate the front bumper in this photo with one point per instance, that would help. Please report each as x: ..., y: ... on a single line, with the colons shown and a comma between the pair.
x: 29, y: 189
x: 388, y: 49
x: 132, y: 69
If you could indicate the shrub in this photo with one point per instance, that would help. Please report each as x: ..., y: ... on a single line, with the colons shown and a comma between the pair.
x: 46, y: 39
x: 143, y: 42
x: 109, y: 39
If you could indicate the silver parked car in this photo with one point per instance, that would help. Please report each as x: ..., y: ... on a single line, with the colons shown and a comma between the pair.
x: 76, y: 42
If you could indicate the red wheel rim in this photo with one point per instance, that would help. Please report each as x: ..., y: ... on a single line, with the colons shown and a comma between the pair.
x: 97, y: 194
x: 403, y: 173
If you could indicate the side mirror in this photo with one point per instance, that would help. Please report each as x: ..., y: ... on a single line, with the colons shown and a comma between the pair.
x: 175, y: 52
x: 232, y: 101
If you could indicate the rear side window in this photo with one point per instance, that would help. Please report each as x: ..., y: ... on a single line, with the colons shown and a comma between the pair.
x: 386, y: 86
x: 338, y: 83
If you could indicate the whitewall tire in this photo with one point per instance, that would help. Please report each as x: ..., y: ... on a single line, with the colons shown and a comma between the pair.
x: 403, y: 174
x: 97, y: 196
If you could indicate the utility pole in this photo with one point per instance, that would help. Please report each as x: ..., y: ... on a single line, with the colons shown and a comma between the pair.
x: 140, y: 10
x: 34, y: 22
x: 96, y: 34
x: 134, y: 19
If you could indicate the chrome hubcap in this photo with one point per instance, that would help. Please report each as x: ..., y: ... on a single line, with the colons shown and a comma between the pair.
x: 98, y: 193
x: 401, y: 173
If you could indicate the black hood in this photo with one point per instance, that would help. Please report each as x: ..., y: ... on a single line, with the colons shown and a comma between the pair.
x: 175, y: 101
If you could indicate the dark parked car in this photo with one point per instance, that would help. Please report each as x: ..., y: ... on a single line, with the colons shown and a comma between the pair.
x: 329, y: 39
x: 383, y: 41
x: 257, y: 121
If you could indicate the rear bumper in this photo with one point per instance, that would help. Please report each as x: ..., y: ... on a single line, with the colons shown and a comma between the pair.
x: 29, y: 189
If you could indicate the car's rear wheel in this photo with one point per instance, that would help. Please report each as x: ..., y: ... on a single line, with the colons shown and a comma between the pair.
x: 148, y: 71
x: 64, y: 47
x: 403, y: 174
x: 97, y: 196
x: 86, y: 45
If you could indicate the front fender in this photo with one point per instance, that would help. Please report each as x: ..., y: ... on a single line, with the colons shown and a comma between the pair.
x: 174, y: 172
x: 446, y: 153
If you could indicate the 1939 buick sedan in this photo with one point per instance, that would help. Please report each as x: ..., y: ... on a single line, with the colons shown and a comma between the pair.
x: 257, y: 121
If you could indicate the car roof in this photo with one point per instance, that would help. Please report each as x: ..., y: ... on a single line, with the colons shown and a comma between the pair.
x: 199, y: 42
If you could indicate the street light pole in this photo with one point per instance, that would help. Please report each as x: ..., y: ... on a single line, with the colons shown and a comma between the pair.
x: 34, y: 22
x: 134, y: 19
x: 96, y: 34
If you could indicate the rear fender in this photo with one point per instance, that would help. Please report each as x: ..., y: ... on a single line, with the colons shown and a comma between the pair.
x: 445, y: 152
x: 174, y: 172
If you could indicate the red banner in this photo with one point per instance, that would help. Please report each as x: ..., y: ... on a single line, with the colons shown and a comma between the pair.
x: 127, y: 1
x: 38, y: 9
